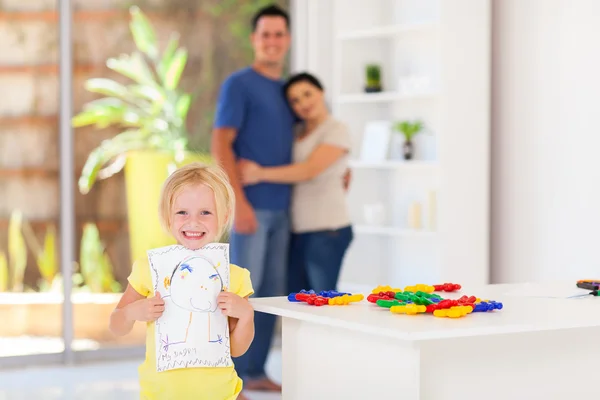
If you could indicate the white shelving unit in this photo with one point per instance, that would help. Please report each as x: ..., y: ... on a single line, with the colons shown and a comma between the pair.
x: 397, y: 165
x: 385, y: 31
x: 445, y: 43
x: 383, y: 97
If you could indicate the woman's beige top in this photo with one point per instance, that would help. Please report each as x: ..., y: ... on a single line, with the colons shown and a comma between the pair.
x: 320, y: 203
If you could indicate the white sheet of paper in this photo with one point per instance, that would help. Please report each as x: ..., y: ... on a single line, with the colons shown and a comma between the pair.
x: 192, y: 332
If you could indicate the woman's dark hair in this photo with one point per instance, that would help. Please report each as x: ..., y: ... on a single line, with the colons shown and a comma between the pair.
x: 301, y: 77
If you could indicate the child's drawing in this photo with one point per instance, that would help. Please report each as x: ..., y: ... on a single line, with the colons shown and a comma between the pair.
x: 192, y: 332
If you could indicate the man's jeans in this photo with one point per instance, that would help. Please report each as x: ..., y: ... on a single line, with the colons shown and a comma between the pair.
x: 265, y: 254
x: 316, y: 259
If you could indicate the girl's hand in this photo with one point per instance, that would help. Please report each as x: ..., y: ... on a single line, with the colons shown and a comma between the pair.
x: 234, y: 306
x: 146, y: 310
x: 250, y: 172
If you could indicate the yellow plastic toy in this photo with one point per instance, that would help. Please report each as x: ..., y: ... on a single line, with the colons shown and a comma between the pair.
x: 409, y: 309
x: 453, y: 312
x: 386, y: 288
x: 345, y: 299
x: 420, y: 288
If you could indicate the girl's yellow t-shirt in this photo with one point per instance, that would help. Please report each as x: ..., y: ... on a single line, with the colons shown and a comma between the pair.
x: 220, y: 383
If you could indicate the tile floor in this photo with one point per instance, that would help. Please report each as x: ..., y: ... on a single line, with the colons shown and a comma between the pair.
x: 100, y: 381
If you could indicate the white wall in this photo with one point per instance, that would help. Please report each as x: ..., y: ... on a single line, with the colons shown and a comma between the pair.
x: 312, y: 36
x: 545, y: 140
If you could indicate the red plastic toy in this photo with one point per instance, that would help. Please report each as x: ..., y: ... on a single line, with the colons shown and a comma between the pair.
x: 312, y: 299
x: 447, y: 287
x: 373, y: 297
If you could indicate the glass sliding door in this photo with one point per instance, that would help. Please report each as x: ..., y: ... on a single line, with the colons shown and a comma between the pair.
x: 31, y: 296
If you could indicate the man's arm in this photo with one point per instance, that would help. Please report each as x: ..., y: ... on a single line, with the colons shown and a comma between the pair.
x: 321, y: 158
x: 222, y: 150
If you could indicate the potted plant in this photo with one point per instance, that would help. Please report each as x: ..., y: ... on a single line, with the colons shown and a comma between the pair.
x: 373, y: 75
x: 409, y: 130
x: 152, y: 113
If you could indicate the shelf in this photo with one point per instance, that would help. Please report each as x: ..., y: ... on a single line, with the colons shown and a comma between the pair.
x: 386, y: 31
x: 390, y: 231
x: 381, y: 97
x: 395, y: 164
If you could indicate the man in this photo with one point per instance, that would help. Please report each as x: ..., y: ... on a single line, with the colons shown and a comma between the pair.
x: 253, y: 121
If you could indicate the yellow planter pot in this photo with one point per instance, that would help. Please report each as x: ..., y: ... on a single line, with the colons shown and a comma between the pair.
x: 145, y: 172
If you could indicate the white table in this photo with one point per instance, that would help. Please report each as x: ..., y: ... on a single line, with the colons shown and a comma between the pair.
x: 534, y: 348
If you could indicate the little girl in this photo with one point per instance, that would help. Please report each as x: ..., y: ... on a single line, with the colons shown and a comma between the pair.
x: 196, y: 207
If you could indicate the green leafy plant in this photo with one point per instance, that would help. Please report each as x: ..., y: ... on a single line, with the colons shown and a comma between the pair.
x: 150, y: 110
x: 17, y: 250
x: 45, y: 255
x: 409, y: 129
x: 20, y: 237
x: 96, y: 268
x: 373, y: 76
x: 3, y: 272
x: 46, y: 259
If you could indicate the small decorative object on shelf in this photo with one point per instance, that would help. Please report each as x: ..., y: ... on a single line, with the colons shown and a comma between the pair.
x: 414, y: 216
x: 373, y: 72
x: 431, y: 210
x: 409, y: 130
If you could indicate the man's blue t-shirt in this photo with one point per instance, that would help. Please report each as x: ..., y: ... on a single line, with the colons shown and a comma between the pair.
x: 256, y: 107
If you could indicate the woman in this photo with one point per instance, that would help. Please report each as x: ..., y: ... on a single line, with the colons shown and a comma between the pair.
x: 321, y: 228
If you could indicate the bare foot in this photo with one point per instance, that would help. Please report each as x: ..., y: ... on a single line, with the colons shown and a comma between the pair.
x: 262, y: 385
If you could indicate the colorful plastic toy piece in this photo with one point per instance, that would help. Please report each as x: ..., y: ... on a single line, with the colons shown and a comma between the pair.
x: 389, y: 303
x: 447, y: 287
x: 312, y: 299
x: 487, y: 306
x: 428, y: 295
x: 408, y: 296
x: 292, y: 296
x: 386, y: 288
x: 453, y: 312
x: 467, y: 299
x: 410, y: 309
x: 420, y: 287
x: 331, y: 293
x: 345, y: 299
x: 373, y: 297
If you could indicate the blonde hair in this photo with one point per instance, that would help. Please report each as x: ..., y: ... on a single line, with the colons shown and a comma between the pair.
x: 212, y: 176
